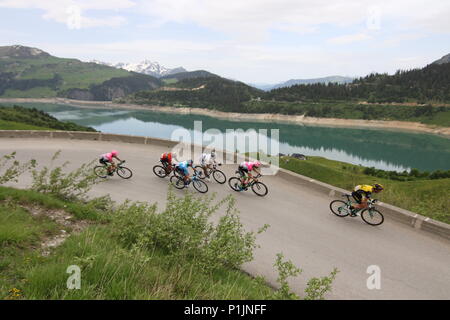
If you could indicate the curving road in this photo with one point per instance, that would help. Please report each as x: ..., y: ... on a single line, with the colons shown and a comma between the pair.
x: 413, y: 264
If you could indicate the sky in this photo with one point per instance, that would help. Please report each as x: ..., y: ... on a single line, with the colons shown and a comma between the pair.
x: 255, y: 41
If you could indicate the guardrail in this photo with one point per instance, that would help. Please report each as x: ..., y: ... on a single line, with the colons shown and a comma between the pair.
x: 412, y: 219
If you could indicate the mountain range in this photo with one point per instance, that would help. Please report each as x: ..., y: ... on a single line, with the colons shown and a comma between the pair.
x: 444, y: 59
x: 292, y: 82
x: 146, y: 66
x: 27, y: 72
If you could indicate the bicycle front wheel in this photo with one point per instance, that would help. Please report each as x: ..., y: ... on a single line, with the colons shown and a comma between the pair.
x: 259, y: 189
x: 200, y: 186
x: 124, y: 172
x: 159, y: 171
x: 219, y: 176
x: 101, y: 171
x: 235, y: 183
x: 372, y: 217
x: 177, y: 182
x: 339, y: 208
x: 200, y: 172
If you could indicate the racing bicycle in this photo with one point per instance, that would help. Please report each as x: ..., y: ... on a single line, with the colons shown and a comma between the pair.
x: 257, y: 187
x: 122, y: 171
x: 162, y: 170
x: 178, y: 182
x: 218, y: 175
x: 370, y: 215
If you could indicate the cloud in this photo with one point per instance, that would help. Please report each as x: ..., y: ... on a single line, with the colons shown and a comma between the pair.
x: 255, y: 18
x: 349, y: 38
x: 74, y: 13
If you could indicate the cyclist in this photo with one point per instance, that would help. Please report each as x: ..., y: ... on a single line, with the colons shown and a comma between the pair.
x: 182, y: 168
x: 362, y: 193
x: 206, y: 161
x: 245, y: 170
x: 166, y: 160
x: 107, y: 160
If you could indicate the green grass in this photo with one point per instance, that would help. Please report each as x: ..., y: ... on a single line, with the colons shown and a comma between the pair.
x: 37, y: 92
x: 427, y: 197
x: 12, y: 125
x: 170, y: 81
x: 109, y: 270
x: 76, y: 74
x: 21, y: 118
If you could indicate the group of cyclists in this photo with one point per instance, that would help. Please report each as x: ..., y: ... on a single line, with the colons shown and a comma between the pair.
x: 361, y: 193
x: 207, y: 160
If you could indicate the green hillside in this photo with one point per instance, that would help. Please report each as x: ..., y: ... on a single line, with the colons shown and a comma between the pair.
x: 20, y: 118
x: 429, y: 84
x: 32, y: 73
x: 211, y: 92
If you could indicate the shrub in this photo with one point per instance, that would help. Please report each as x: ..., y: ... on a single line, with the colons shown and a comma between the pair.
x: 316, y: 287
x: 67, y: 186
x: 12, y: 168
x: 184, y: 231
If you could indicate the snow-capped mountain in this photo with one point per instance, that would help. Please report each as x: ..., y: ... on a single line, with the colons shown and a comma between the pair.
x: 146, y: 67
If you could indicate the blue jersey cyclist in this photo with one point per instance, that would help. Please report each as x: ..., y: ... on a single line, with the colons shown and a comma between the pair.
x: 182, y: 168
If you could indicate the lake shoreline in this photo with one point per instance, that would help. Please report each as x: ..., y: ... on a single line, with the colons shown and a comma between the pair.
x: 234, y: 116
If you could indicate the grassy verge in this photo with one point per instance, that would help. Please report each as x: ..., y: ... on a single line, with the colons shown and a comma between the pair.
x: 20, y: 118
x: 109, y: 268
x: 13, y: 125
x: 427, y: 197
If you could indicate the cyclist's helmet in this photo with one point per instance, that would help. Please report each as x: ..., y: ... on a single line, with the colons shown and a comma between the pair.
x: 257, y: 164
x: 213, y: 153
x: 114, y: 153
x: 190, y: 163
x: 377, y: 187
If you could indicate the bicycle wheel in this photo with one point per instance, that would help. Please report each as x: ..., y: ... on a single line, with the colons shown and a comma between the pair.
x: 159, y: 171
x: 200, y: 172
x: 339, y: 208
x: 200, y: 186
x: 177, y: 182
x: 235, y: 183
x: 219, y: 176
x: 124, y: 172
x: 101, y: 171
x: 259, y: 188
x: 372, y: 217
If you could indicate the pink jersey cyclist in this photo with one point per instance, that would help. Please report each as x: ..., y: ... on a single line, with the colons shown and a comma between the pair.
x: 245, y: 169
x: 108, y: 158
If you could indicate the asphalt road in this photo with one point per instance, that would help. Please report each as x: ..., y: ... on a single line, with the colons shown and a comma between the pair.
x: 413, y: 264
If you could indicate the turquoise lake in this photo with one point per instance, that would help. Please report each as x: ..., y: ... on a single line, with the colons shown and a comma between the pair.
x: 383, y: 149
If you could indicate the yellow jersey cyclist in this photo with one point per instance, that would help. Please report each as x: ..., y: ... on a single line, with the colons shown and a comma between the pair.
x: 362, y: 193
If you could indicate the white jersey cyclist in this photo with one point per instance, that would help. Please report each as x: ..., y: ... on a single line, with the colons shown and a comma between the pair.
x: 207, y: 159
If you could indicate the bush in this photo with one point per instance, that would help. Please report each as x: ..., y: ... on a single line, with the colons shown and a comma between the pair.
x: 316, y: 287
x: 67, y: 186
x: 184, y: 231
x: 12, y: 168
